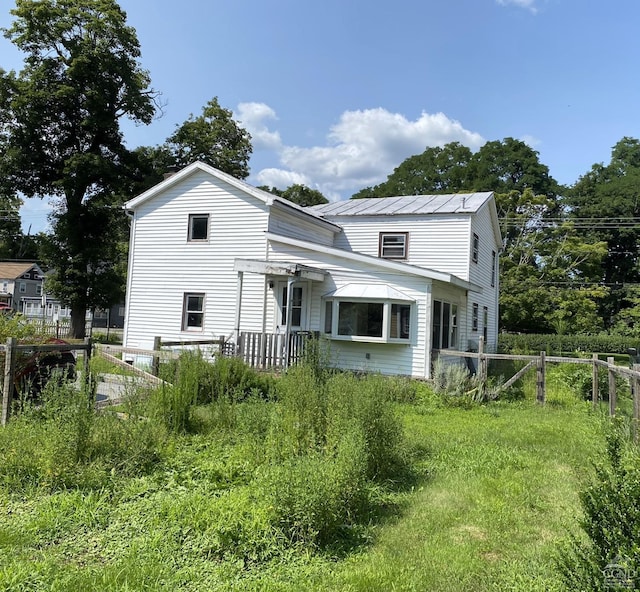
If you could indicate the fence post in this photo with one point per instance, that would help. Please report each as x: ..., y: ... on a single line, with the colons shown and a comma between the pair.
x: 482, y: 364
x: 541, y: 395
x: 9, y: 369
x: 87, y: 359
x: 155, y: 364
x: 636, y: 402
x: 612, y: 388
x: 594, y: 385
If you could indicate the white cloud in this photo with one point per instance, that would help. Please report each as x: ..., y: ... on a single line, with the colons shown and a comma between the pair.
x: 281, y: 179
x: 251, y: 117
x: 362, y: 149
x: 531, y: 141
x: 528, y: 4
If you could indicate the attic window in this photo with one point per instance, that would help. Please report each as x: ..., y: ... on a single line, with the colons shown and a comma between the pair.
x: 393, y: 245
x: 198, y: 227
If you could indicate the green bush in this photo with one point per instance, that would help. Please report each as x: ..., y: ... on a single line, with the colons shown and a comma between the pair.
x: 364, y: 404
x: 65, y: 443
x: 611, y: 524
x: 316, y: 497
x: 512, y: 343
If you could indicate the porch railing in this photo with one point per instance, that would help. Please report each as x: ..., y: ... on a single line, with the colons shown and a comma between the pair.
x: 269, y: 350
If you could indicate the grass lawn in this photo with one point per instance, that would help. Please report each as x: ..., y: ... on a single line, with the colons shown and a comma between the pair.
x: 501, y: 491
x: 495, y: 492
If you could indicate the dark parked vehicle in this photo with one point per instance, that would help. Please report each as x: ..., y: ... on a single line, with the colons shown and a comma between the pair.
x: 36, y: 369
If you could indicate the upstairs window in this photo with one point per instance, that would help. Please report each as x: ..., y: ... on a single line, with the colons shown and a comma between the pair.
x: 193, y: 312
x: 393, y: 245
x: 475, y: 248
x: 198, y: 227
x: 23, y: 287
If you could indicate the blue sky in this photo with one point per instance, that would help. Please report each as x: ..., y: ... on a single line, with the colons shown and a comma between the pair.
x: 337, y: 93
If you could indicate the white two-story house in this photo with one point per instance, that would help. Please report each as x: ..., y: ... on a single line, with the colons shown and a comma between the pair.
x: 385, y: 281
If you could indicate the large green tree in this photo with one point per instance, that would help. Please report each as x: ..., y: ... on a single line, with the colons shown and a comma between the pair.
x: 604, y: 204
x: 550, y: 272
x: 214, y: 137
x: 299, y: 194
x: 61, y: 131
x: 501, y: 166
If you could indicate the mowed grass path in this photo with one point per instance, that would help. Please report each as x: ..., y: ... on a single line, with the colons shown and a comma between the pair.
x: 501, y: 491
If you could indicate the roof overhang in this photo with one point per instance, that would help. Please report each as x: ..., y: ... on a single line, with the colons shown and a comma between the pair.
x: 279, y: 268
x: 369, y: 292
x: 388, y: 264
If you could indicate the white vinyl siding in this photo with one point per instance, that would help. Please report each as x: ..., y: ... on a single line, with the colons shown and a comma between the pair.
x: 440, y: 242
x: 407, y: 357
x: 164, y: 266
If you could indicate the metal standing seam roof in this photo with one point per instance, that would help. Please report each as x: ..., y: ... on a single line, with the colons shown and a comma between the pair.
x: 451, y: 203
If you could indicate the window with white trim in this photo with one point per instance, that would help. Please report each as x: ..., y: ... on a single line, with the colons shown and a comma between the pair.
x: 198, y: 227
x: 23, y: 287
x: 296, y: 306
x: 393, y: 245
x: 193, y: 312
x: 383, y: 321
x: 445, y: 325
x: 475, y: 250
x: 38, y: 289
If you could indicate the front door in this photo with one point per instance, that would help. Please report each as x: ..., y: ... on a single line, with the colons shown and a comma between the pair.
x: 297, y: 304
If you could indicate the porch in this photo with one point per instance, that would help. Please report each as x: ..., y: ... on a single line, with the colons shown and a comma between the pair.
x: 272, y: 351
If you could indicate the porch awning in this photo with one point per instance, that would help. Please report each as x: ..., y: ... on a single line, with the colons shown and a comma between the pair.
x: 369, y: 292
x: 281, y: 268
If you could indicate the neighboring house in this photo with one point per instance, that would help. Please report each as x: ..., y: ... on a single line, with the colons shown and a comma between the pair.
x: 387, y: 281
x: 20, y: 284
x: 112, y: 317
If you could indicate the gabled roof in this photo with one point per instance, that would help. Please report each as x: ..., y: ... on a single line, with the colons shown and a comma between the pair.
x: 450, y: 203
x: 13, y: 270
x: 267, y: 198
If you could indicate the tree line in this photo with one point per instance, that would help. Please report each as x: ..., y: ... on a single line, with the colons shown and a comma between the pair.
x: 570, y: 253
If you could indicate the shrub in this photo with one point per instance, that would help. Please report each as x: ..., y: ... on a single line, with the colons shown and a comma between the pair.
x: 364, y: 404
x: 512, y: 343
x: 611, y: 523
x: 314, y: 497
x: 299, y: 423
x: 64, y: 443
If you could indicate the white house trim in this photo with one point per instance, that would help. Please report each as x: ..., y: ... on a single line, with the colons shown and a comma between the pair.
x: 376, y: 261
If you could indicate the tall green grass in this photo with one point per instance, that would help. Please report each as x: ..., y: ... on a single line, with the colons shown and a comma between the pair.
x: 320, y: 481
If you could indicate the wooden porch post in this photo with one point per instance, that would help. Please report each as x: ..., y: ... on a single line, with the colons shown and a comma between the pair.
x: 287, y: 334
x: 236, y: 331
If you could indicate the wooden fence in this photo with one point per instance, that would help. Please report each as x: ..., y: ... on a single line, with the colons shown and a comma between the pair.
x: 271, y: 350
x: 11, y: 350
x: 540, y: 361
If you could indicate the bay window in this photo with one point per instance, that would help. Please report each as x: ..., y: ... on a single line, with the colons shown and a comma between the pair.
x: 364, y: 318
